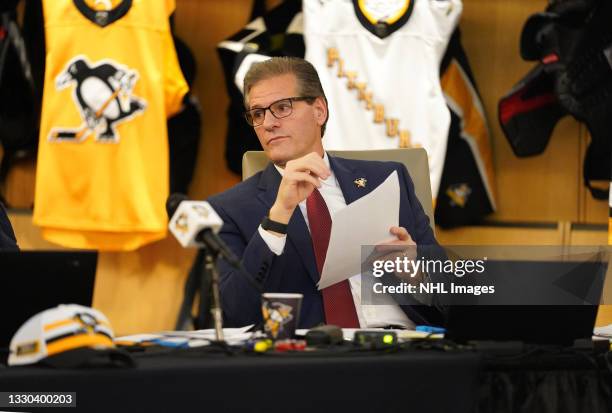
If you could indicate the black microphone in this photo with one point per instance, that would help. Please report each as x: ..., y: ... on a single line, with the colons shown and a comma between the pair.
x: 216, y: 244
x: 173, y: 202
x: 196, y: 224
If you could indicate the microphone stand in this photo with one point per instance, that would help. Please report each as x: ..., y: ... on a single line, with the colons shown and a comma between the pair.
x: 206, y: 281
x: 215, y: 303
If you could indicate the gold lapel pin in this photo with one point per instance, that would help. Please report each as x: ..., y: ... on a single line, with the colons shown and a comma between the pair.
x: 360, y: 182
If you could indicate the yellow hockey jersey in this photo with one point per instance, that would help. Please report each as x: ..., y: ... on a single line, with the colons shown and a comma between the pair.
x: 111, y: 80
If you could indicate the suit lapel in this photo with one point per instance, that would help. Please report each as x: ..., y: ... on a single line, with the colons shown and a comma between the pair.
x: 346, y: 174
x: 297, y: 231
x: 268, y: 185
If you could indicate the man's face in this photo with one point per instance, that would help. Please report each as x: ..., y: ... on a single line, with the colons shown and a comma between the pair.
x: 295, y: 135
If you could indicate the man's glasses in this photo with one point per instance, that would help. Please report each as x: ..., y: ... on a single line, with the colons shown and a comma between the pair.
x: 279, y: 109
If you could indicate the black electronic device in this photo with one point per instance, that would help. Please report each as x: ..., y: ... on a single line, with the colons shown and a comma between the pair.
x: 375, y: 340
x: 539, y: 302
x: 33, y: 281
x: 324, y: 336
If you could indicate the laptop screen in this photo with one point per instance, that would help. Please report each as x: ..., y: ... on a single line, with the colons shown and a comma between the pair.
x: 552, y: 302
x: 33, y: 281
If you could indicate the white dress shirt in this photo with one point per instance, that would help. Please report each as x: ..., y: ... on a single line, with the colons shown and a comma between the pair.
x: 379, y: 315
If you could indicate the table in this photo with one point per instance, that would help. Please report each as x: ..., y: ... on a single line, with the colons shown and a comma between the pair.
x: 413, y: 380
x: 554, y: 380
x: 211, y: 382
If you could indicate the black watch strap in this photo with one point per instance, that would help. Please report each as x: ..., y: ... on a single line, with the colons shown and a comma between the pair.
x: 270, y: 225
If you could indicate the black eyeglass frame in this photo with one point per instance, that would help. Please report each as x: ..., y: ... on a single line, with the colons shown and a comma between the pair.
x: 249, y: 118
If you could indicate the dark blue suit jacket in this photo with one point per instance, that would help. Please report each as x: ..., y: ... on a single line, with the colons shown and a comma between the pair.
x: 7, y: 236
x: 244, y: 206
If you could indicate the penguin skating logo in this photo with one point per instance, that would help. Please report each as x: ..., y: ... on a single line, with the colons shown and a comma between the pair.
x: 276, y: 315
x: 103, y: 96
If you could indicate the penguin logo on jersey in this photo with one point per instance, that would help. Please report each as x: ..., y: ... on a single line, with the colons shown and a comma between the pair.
x: 458, y: 194
x: 103, y: 96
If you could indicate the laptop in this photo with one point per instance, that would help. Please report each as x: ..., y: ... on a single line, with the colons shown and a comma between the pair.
x: 536, y: 302
x: 33, y: 281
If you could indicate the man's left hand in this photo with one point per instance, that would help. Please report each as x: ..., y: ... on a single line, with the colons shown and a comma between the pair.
x: 402, y: 246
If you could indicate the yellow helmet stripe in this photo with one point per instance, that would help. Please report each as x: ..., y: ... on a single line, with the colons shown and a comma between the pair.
x: 68, y: 321
x: 76, y: 341
x: 60, y: 323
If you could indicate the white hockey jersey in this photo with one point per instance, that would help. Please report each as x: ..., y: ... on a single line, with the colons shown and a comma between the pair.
x: 379, y: 66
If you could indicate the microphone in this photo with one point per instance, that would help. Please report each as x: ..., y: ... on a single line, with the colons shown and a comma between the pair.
x: 196, y: 224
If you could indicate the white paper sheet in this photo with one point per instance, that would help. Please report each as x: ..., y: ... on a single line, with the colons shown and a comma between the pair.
x: 363, y: 222
x: 137, y: 338
x: 194, y: 338
x: 209, y: 333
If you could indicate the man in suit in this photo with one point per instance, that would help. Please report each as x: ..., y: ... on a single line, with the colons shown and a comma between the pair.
x: 278, y: 221
x: 7, y: 236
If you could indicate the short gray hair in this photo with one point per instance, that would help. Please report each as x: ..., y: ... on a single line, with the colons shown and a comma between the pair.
x: 308, y: 81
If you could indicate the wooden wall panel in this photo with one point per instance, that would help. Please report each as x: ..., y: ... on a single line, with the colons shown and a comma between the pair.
x: 19, y: 186
x: 29, y: 237
x: 492, y: 235
x: 543, y: 188
x: 589, y: 235
x: 142, y: 290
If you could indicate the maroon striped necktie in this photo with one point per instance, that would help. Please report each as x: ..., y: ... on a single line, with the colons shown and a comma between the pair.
x: 337, y: 299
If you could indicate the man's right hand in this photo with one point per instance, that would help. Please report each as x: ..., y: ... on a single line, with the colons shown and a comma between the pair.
x: 301, y: 176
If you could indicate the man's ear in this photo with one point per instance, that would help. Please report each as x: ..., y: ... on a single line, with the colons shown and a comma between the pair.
x: 320, y: 109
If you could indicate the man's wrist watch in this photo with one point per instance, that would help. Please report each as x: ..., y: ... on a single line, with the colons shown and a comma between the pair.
x: 270, y: 225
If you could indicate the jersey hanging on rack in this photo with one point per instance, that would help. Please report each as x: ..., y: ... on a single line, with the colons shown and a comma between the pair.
x: 277, y: 33
x: 379, y: 66
x: 467, y: 186
x: 466, y: 191
x: 111, y: 80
